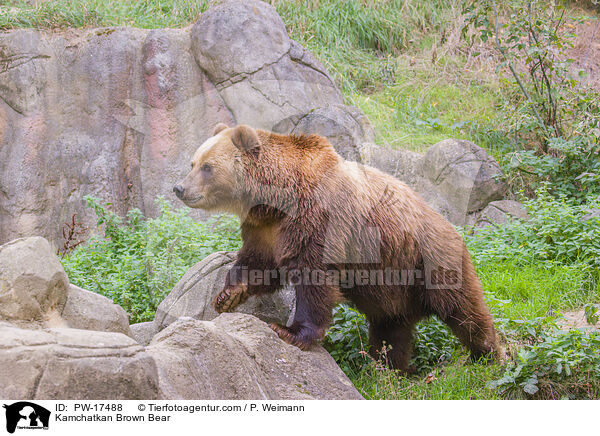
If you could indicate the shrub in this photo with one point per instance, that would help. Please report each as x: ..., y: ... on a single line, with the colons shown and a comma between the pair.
x: 347, y: 340
x: 434, y: 344
x: 558, y: 230
x: 139, y: 260
x: 560, y: 364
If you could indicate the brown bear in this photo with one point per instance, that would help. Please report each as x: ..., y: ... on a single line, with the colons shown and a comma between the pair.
x: 336, y: 230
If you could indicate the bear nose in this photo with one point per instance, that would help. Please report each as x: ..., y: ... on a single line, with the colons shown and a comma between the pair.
x: 178, y: 190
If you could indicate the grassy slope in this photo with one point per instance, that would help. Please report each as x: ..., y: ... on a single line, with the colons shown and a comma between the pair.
x: 400, y: 62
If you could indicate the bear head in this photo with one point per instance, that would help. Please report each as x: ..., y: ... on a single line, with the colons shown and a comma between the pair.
x: 217, y: 170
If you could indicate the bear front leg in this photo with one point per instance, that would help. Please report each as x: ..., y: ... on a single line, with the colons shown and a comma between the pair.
x: 312, y: 317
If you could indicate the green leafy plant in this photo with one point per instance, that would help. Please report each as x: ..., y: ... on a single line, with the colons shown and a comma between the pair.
x: 591, y: 314
x: 558, y: 230
x: 434, y: 345
x: 138, y: 260
x: 556, y: 129
x: 347, y: 340
x: 547, y: 368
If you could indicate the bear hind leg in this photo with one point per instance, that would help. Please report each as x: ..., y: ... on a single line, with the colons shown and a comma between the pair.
x: 312, y: 316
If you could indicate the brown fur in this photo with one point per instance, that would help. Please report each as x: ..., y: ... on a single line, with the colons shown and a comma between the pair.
x: 303, y: 206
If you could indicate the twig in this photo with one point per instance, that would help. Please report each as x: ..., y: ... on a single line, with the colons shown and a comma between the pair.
x: 512, y: 69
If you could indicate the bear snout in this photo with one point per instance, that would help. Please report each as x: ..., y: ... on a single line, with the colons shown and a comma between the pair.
x: 179, y: 191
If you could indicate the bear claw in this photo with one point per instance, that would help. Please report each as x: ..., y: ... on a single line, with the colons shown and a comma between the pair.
x: 229, y: 298
x: 287, y: 336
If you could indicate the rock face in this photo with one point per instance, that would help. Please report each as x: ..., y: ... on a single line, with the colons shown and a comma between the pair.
x: 58, y: 341
x: 33, y: 283
x: 465, y: 173
x: 497, y: 212
x: 193, y: 294
x: 129, y: 107
x: 238, y: 356
x: 456, y: 177
x: 74, y: 364
x: 143, y: 332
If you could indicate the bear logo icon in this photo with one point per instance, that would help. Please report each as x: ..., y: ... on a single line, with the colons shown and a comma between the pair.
x: 26, y: 415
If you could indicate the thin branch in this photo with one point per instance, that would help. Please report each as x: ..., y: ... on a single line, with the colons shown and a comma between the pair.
x: 512, y: 69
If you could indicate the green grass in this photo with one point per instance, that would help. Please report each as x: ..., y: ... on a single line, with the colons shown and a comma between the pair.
x: 426, y: 105
x: 458, y: 380
x: 514, y: 292
x: 90, y: 13
x: 532, y: 291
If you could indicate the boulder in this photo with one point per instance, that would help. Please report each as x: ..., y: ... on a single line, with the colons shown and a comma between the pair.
x: 193, y: 294
x: 497, y: 212
x: 90, y: 311
x: 238, y: 357
x: 60, y: 364
x: 402, y: 164
x: 237, y: 39
x: 143, y: 332
x: 33, y: 283
x: 346, y: 127
x: 465, y: 175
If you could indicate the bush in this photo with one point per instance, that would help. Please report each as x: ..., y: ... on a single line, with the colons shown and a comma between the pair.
x: 558, y: 230
x: 138, y: 260
x: 561, y: 364
x: 347, y: 340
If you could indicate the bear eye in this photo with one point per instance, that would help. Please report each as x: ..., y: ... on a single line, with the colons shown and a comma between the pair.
x: 206, y: 168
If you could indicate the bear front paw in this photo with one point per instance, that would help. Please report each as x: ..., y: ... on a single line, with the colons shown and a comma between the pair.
x: 229, y: 298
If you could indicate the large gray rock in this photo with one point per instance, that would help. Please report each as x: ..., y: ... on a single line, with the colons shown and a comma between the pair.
x: 464, y: 174
x: 131, y: 106
x: 237, y: 356
x: 143, y: 332
x: 193, y: 294
x: 498, y: 212
x: 90, y: 311
x: 72, y: 364
x: 237, y: 39
x: 33, y: 283
x: 346, y: 127
x: 455, y: 177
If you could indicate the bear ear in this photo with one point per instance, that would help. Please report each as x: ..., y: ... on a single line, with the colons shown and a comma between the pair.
x: 245, y: 138
x: 219, y: 128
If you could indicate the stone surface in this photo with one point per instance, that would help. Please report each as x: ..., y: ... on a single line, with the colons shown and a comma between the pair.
x: 237, y: 39
x: 455, y: 177
x: 346, y: 127
x: 143, y: 332
x: 74, y: 364
x: 90, y: 311
x: 497, y: 212
x: 237, y: 356
x: 465, y: 175
x: 193, y: 294
x: 33, y: 283
x: 129, y: 107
